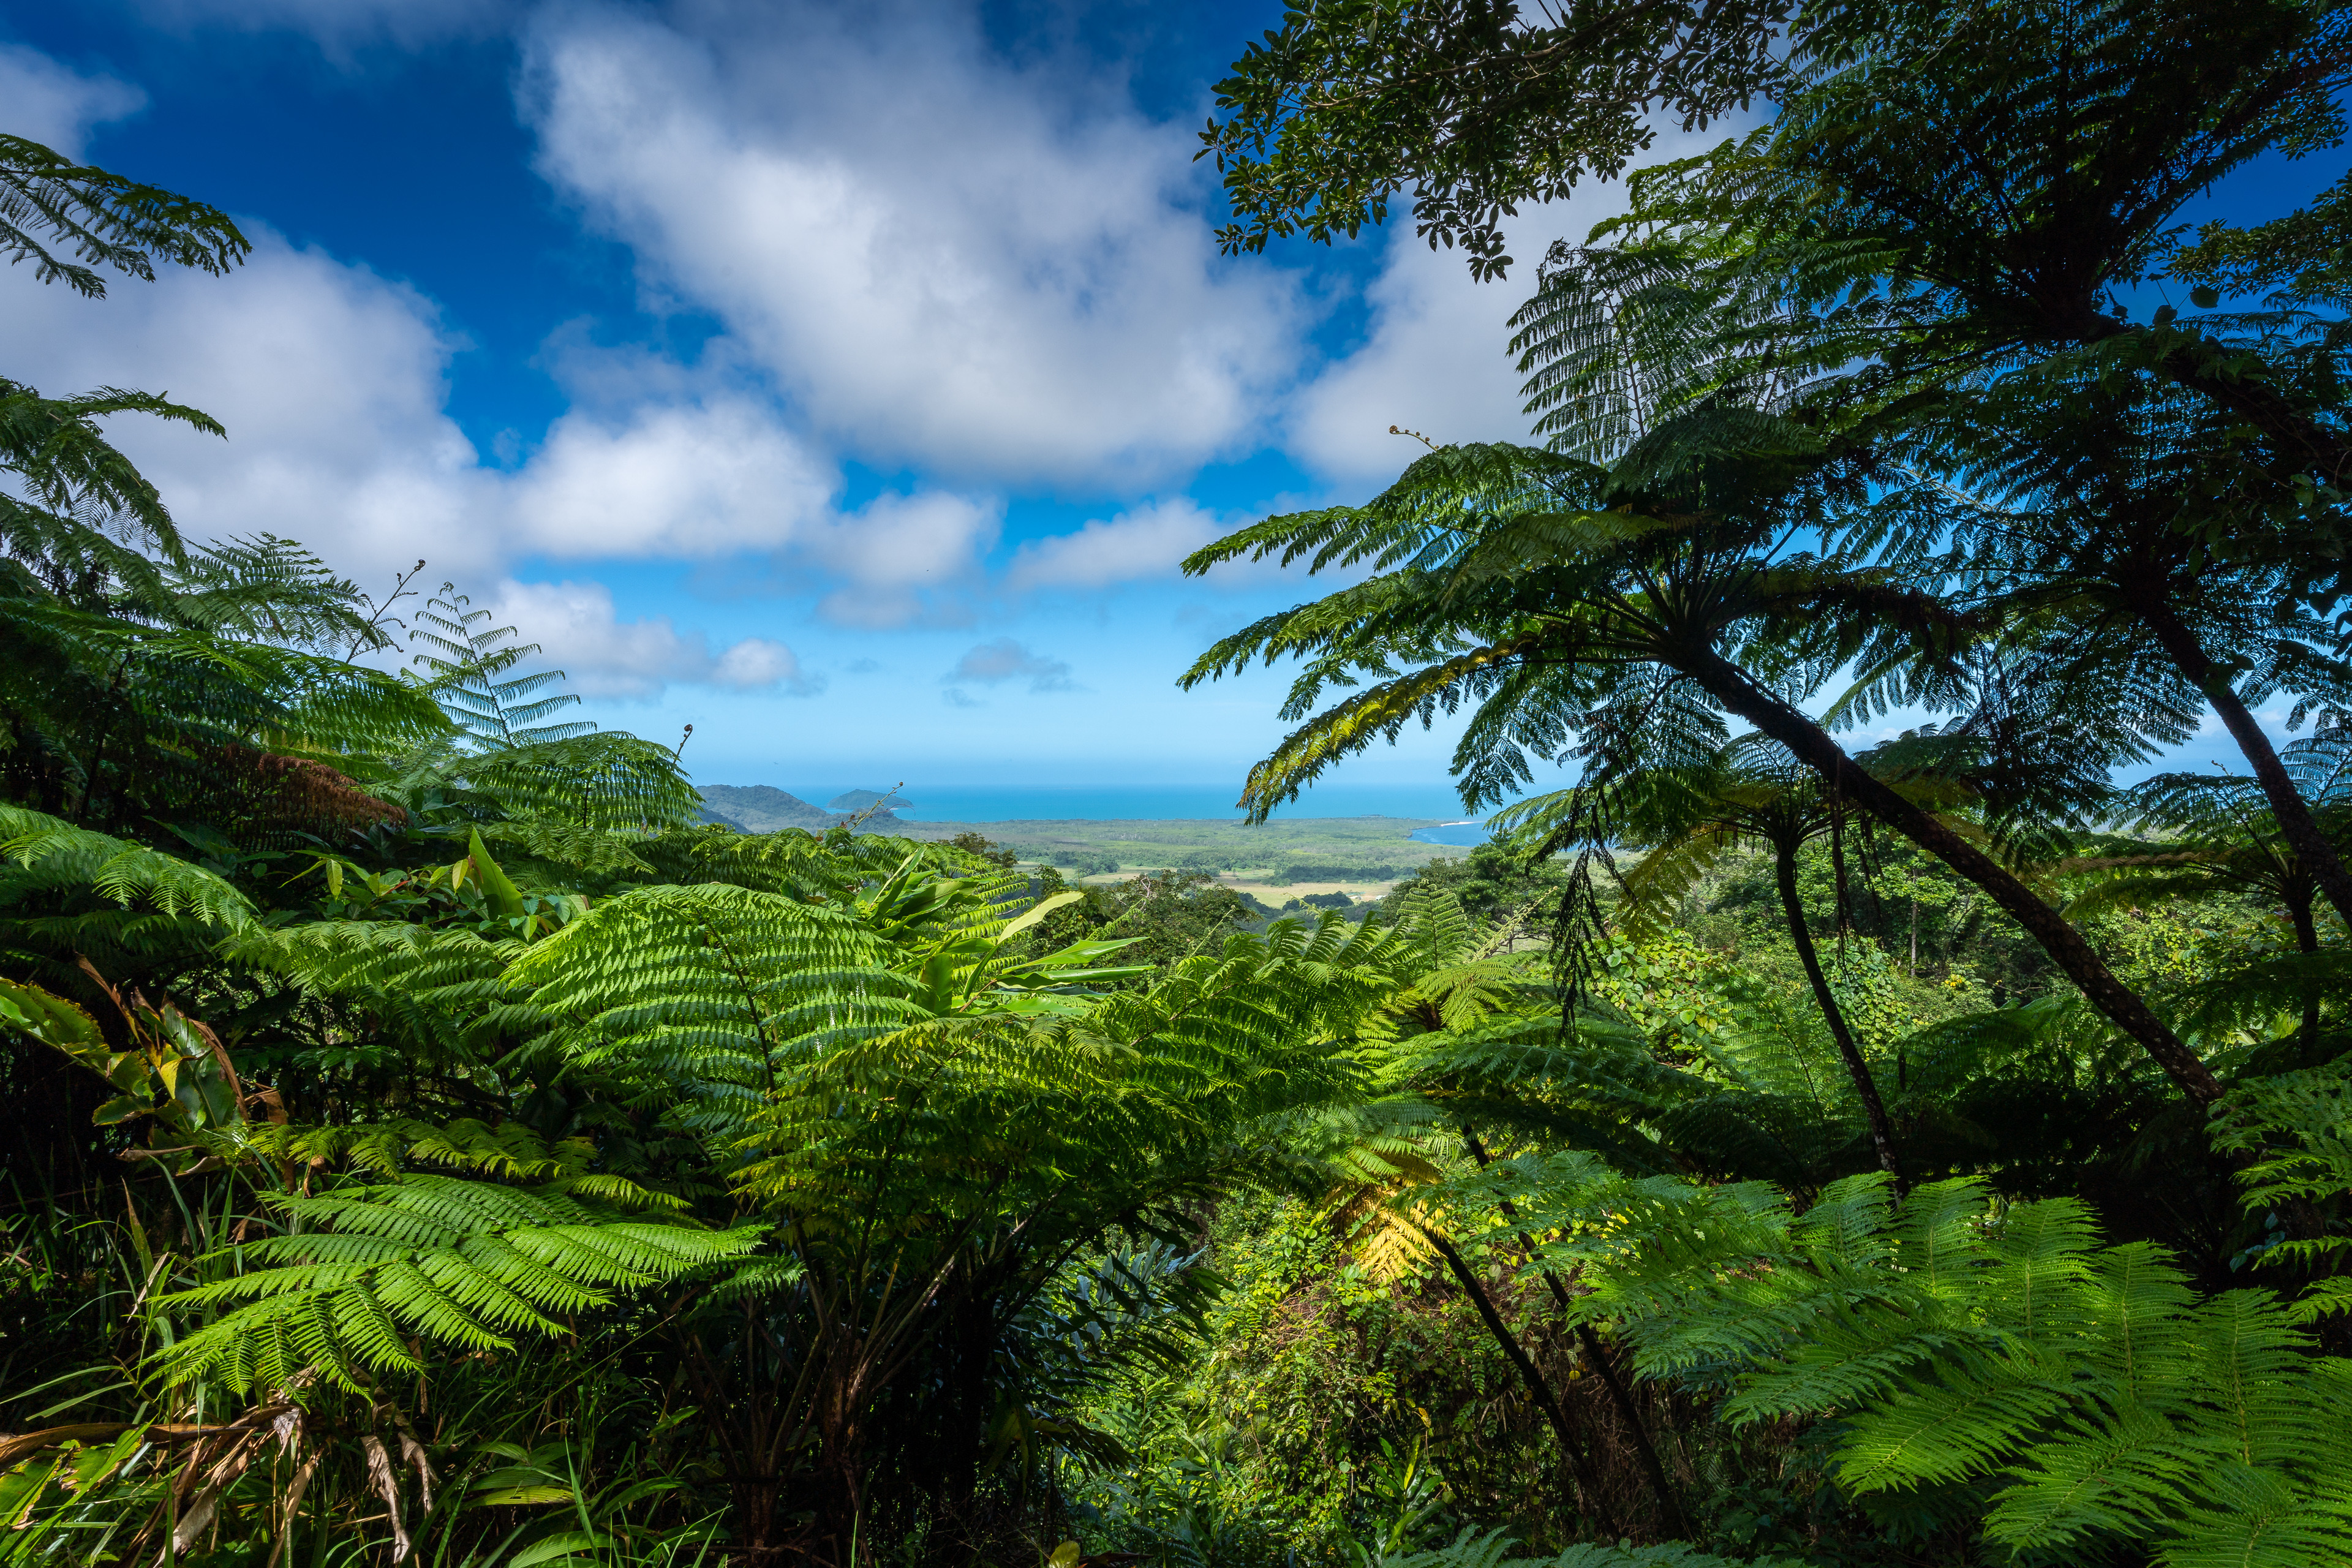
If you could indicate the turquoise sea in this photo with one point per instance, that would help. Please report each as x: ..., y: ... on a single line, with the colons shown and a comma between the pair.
x: 939, y: 801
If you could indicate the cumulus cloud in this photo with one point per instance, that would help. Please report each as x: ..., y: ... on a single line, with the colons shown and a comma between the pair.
x: 331, y: 380
x: 994, y: 269
x: 903, y: 558
x: 580, y: 632
x: 56, y: 105
x: 674, y: 482
x: 333, y: 383
x: 916, y: 250
x: 1147, y: 542
x: 994, y: 663
x: 1436, y: 355
x: 1434, y: 361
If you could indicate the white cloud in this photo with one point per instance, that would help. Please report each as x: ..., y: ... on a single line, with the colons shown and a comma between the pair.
x: 1436, y: 357
x: 994, y: 663
x: 331, y: 380
x: 990, y: 269
x: 757, y: 662
x: 1147, y: 542
x: 333, y: 383
x: 579, y: 632
x: 904, y: 558
x: 671, y: 481
x: 1434, y: 361
x: 54, y: 104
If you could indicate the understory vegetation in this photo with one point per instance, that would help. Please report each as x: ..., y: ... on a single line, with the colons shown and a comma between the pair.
x: 1802, y: 1139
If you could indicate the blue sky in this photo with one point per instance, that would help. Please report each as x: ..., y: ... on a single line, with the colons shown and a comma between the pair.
x: 844, y: 380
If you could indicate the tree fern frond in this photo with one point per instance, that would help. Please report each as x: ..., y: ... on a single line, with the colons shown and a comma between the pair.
x: 453, y: 1260
x: 46, y: 855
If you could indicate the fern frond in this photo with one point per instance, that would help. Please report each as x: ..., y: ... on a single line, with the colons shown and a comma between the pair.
x: 48, y: 855
x: 456, y: 1262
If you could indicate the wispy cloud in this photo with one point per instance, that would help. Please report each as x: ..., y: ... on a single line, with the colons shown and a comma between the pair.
x: 994, y: 663
x: 606, y: 656
x: 56, y: 105
x: 1146, y: 542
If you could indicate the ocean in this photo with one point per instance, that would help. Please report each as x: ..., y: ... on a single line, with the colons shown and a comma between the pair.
x: 1110, y: 803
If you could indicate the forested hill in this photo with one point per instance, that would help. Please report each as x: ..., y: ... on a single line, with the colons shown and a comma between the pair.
x: 763, y: 808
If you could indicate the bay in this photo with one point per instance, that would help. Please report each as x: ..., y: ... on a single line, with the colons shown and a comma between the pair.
x: 940, y: 801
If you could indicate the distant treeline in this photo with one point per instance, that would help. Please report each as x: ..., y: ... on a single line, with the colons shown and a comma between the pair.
x: 1092, y: 863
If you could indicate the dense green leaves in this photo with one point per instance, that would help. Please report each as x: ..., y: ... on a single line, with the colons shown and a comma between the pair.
x: 1474, y: 106
x: 465, y: 1264
x: 471, y: 1092
x: 102, y: 220
x: 2086, y: 1387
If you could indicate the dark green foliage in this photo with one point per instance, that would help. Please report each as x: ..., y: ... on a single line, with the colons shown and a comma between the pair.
x: 1167, y: 915
x: 2000, y: 1365
x: 100, y: 219
x: 1473, y: 105
x: 1491, y: 879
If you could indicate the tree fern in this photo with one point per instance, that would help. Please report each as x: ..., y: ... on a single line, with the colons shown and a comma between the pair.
x: 271, y: 590
x: 509, y: 1151
x: 462, y: 1263
x: 70, y: 477
x: 100, y: 219
x: 1967, y: 1358
x: 936, y: 1118
x: 470, y: 668
x: 696, y: 993
x: 45, y: 856
x: 510, y: 758
x: 442, y: 995
x: 2298, y: 1127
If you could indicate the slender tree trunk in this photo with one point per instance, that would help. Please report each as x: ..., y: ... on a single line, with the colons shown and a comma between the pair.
x: 740, y: 1423
x: 1588, y: 1475
x: 1882, y: 1131
x: 955, y: 1441
x: 840, y: 1465
x: 2306, y: 939
x: 92, y: 774
x: 1597, y: 1355
x: 2296, y: 824
x: 2075, y: 957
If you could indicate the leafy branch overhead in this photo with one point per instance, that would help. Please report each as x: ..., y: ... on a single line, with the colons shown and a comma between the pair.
x: 1472, y: 106
x: 70, y: 220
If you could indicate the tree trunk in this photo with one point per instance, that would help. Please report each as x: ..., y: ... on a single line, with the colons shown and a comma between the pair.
x: 957, y: 1414
x: 740, y: 1425
x: 2075, y: 957
x: 2306, y: 939
x: 2296, y: 824
x: 841, y: 1471
x: 1619, y: 1394
x: 752, y: 1522
x: 1588, y: 1475
x: 1882, y: 1131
